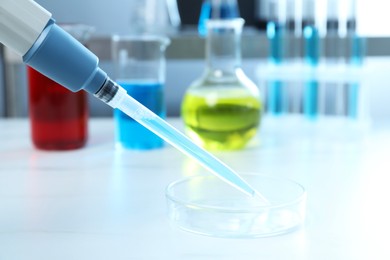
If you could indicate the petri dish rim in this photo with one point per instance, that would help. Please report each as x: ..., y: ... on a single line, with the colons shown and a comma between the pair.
x: 204, y: 206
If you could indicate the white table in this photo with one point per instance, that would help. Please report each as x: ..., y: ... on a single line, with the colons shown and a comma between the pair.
x: 100, y: 203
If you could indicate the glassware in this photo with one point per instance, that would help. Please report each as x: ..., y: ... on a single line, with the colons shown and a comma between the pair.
x: 154, y: 17
x: 204, y: 205
x: 216, y: 9
x: 58, y: 117
x: 311, y: 38
x: 356, y: 44
x: 222, y: 109
x: 277, y: 102
x: 261, y: 14
x: 140, y: 70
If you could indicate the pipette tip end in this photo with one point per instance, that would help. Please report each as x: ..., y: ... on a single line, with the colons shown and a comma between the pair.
x: 258, y: 196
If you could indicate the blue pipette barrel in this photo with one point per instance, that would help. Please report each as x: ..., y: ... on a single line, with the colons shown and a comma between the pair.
x: 60, y: 57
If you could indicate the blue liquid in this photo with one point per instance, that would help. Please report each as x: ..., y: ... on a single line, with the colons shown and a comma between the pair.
x: 276, y: 89
x: 357, y: 56
x: 226, y: 11
x: 129, y: 133
x: 312, y: 56
x: 353, y: 97
x: 357, y: 50
x: 312, y: 45
x: 276, y: 103
x: 310, y: 100
x: 275, y: 35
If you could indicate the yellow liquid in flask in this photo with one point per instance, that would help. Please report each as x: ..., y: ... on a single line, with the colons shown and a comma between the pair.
x: 223, y: 119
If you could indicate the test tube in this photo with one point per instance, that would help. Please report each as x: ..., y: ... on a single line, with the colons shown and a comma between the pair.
x: 261, y: 14
x: 2, y: 83
x: 356, y: 45
x: 334, y: 50
x: 294, y: 17
x: 313, y: 30
x: 276, y: 27
x: 333, y: 31
x: 293, y: 52
x: 276, y: 30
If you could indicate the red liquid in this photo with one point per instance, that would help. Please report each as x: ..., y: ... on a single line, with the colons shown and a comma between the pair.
x: 59, y: 117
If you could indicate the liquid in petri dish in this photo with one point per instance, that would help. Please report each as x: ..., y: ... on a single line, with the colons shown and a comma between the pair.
x: 222, y: 119
x: 204, y: 205
x: 129, y: 133
x: 256, y: 223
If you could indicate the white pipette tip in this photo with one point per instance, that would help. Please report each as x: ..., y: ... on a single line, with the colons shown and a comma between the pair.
x: 242, y: 185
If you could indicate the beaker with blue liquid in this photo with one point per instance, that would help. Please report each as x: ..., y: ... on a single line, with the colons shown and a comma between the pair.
x: 139, y: 63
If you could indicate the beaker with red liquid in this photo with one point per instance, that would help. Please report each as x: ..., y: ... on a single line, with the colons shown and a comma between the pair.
x: 58, y: 117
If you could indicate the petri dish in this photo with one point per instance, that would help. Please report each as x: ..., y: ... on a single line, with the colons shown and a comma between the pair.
x: 208, y: 206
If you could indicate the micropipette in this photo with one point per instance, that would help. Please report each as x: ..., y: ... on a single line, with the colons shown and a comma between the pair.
x: 29, y: 30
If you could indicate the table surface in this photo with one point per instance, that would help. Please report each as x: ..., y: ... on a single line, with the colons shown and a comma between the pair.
x: 103, y: 203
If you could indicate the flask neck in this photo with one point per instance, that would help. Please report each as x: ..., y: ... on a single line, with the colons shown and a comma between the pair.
x: 223, y: 45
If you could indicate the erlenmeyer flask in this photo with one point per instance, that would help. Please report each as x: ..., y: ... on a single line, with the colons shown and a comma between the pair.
x: 222, y: 109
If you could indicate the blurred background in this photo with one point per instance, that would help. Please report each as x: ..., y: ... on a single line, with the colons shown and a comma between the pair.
x: 179, y: 20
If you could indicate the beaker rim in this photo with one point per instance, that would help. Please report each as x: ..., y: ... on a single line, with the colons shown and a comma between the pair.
x: 142, y: 38
x: 225, y: 23
x: 82, y: 32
